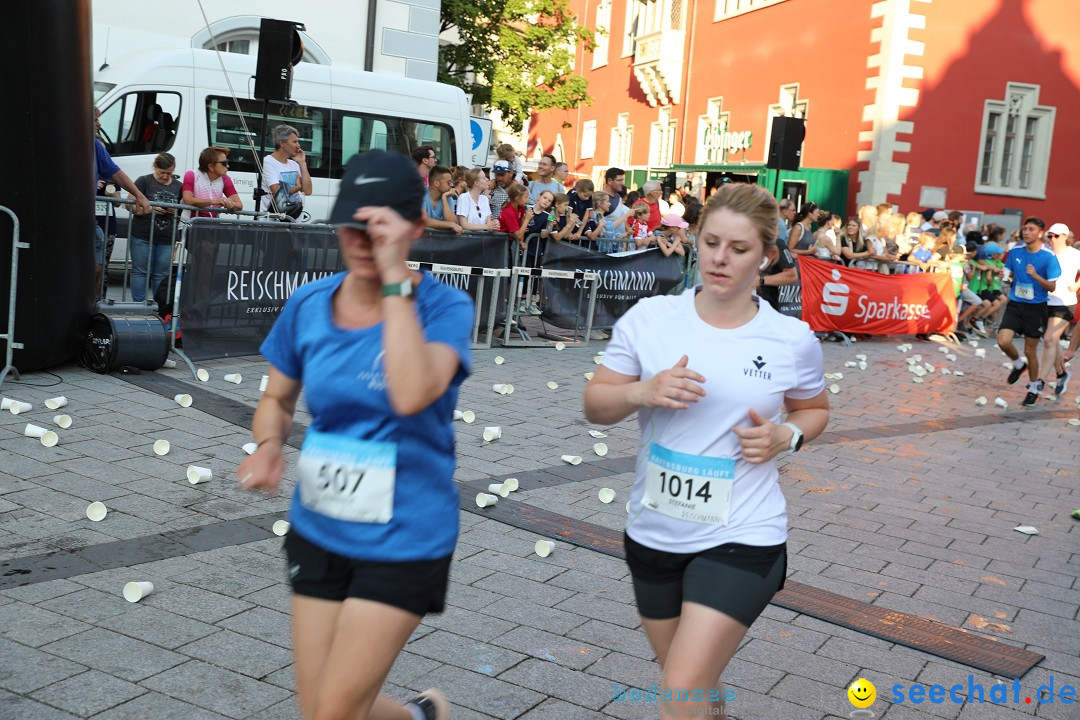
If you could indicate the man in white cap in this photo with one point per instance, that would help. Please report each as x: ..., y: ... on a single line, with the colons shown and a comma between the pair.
x: 1060, y: 305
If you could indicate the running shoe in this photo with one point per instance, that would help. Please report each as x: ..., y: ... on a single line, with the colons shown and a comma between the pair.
x: 533, y: 309
x: 1062, y: 383
x: 1034, y: 388
x: 979, y: 327
x: 1016, y: 372
x: 432, y: 704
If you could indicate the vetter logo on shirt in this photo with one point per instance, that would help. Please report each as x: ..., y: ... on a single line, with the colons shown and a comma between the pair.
x: 834, y: 296
x: 759, y: 363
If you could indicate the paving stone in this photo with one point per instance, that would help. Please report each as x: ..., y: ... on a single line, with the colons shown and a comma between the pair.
x: 87, y: 694
x: 240, y: 653
x: 556, y: 681
x: 157, y: 626
x: 553, y: 709
x: 34, y: 626
x: 539, y: 593
x: 601, y: 609
x: 114, y: 654
x: 263, y: 624
x: 551, y: 647
x: 491, y: 696
x: 23, y: 708
x: 468, y: 654
x: 216, y: 689
x: 26, y: 669
x: 155, y: 706
x: 468, y: 624
x: 523, y: 612
x: 197, y: 604
x: 614, y: 637
x: 795, y: 661
x: 39, y: 592
x: 88, y: 605
x: 518, y: 566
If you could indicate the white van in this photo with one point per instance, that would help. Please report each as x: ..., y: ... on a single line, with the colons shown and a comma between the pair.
x: 179, y: 101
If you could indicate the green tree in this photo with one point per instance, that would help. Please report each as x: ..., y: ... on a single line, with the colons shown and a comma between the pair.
x: 515, y: 55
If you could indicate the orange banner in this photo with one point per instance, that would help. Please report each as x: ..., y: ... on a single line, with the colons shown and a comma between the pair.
x: 835, y: 297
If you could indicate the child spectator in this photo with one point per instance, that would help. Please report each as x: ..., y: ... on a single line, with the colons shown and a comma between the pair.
x: 636, y: 226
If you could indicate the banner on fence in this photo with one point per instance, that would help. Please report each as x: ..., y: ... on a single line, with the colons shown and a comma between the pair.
x: 625, y: 278
x: 859, y: 301
x: 239, y: 276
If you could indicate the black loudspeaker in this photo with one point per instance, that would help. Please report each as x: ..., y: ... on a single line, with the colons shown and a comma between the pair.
x: 280, y: 47
x: 785, y: 144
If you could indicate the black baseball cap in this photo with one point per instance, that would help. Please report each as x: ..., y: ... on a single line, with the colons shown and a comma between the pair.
x: 380, y: 179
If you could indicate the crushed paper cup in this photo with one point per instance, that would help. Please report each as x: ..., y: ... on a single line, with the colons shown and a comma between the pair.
x: 5, y: 403
x: 834, y: 388
x: 17, y: 407
x: 860, y: 357
x: 263, y: 383
x: 511, y: 484
x: 468, y: 417
x: 499, y: 489
x: 917, y: 379
x: 572, y: 459
x: 96, y: 511
x: 136, y: 591
x: 830, y: 376
x: 492, y: 433
x: 560, y: 346
x: 943, y: 349
x: 162, y: 447
x: 250, y: 448
x: 170, y: 364
x: 929, y: 367
x: 946, y: 371
x: 980, y: 353
x: 499, y: 359
x: 1074, y: 422
x: 598, y: 435
x: 543, y: 548
x: 235, y: 378
x: 47, y: 437
x: 600, y: 449
x: 183, y: 400
x: 958, y: 373
x: 950, y: 357
x: 281, y: 527
x: 1026, y: 529
x: 589, y: 376
x: 911, y: 361
x: 973, y: 343
x: 56, y: 403
x: 486, y: 499
x: 851, y: 364
x: 598, y: 359
x: 62, y: 421
x: 203, y: 374
x: 904, y: 347
x: 503, y: 388
x: 606, y: 495
x: 552, y: 385
x: 918, y: 358
x: 981, y: 400
x: 862, y: 365
x: 196, y: 474
x: 1000, y: 403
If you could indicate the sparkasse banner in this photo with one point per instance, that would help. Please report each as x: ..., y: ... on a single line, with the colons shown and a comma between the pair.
x: 861, y: 301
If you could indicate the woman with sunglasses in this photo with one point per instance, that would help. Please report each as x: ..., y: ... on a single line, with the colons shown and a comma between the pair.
x: 210, y: 185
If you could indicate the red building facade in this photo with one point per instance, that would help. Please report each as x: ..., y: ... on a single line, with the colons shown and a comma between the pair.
x: 967, y: 105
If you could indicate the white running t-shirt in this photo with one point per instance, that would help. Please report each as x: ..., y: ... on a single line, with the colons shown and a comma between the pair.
x: 1069, y: 260
x: 757, y: 365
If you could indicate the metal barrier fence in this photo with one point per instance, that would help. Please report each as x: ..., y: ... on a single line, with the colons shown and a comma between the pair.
x: 8, y: 336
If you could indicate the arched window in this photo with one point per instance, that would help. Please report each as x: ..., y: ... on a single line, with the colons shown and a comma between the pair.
x: 241, y: 35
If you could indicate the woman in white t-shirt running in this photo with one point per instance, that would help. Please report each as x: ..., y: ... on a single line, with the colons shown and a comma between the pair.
x: 707, y: 530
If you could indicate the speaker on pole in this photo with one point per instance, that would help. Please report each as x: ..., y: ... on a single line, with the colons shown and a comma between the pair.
x: 785, y: 143
x: 280, y: 48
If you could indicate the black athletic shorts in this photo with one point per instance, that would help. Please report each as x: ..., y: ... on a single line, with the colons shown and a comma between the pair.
x: 737, y: 580
x: 1066, y: 312
x: 1026, y: 318
x: 990, y: 295
x: 417, y: 586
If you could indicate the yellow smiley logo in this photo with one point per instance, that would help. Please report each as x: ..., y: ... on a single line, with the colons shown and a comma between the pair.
x: 862, y: 693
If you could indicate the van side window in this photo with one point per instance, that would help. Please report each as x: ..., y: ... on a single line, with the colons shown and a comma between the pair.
x: 356, y: 132
x: 226, y: 130
x: 141, y: 123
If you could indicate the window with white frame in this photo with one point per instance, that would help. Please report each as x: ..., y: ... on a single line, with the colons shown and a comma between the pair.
x: 603, y: 34
x: 588, y: 139
x: 662, y: 140
x: 711, y: 126
x: 1014, y: 147
x: 731, y: 8
x: 631, y: 28
x: 622, y: 138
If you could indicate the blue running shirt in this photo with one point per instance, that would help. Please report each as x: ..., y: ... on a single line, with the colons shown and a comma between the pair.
x: 1024, y: 289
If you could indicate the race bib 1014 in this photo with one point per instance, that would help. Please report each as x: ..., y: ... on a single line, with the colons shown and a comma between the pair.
x: 689, y: 487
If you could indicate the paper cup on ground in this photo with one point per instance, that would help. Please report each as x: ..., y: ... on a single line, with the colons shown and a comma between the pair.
x: 96, y: 511
x: 5, y: 403
x: 170, y: 364
x: 492, y: 433
x: 511, y: 484
x: 136, y: 591
x: 588, y: 376
x: 560, y: 346
x: 196, y: 474
x: 162, y: 447
x: 1000, y: 403
x: 851, y: 364
x: 17, y: 407
x: 263, y: 383
x: 62, y: 421
x: 834, y: 388
x: 183, y: 400
x: 597, y: 434
x: 600, y: 449
x: 250, y: 448
x: 36, y: 431
x: 606, y: 495
x: 553, y: 385
x: 862, y: 365
x: 981, y: 400
x: 544, y: 548
x: 465, y: 416
x: 281, y: 527
x: 56, y: 403
x: 980, y: 353
x: 235, y: 378
x: 598, y: 359
x: 486, y: 499
x: 499, y: 489
x: 499, y: 359
x: 572, y: 459
x: 1074, y: 422
x: 958, y: 373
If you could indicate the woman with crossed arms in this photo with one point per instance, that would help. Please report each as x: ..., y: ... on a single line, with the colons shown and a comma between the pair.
x: 710, y: 373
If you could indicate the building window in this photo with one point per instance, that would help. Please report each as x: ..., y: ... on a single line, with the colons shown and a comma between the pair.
x: 662, y: 140
x: 1014, y: 150
x: 632, y: 28
x: 603, y: 34
x: 588, y: 139
x: 731, y: 8
x: 622, y: 138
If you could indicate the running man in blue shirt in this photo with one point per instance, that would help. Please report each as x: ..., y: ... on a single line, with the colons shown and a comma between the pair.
x: 1034, y: 271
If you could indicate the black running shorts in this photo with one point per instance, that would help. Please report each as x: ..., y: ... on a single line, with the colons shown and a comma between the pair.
x: 1065, y: 312
x: 737, y: 580
x: 418, y: 586
x: 1026, y: 318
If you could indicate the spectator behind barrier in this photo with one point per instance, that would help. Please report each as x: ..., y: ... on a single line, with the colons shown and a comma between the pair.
x: 438, y: 213
x: 581, y: 197
x: 671, y: 235
x: 515, y: 217
x: 159, y: 186
x: 507, y: 153
x: 651, y: 192
x: 211, y: 185
x: 285, y: 176
x: 615, y: 187
x: 473, y: 207
x: 543, y: 180
x: 424, y: 157
x: 503, y: 173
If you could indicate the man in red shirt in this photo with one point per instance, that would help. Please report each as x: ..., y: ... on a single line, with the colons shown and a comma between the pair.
x: 651, y: 192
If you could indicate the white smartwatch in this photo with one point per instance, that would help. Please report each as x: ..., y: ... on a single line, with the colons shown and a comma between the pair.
x: 796, y: 437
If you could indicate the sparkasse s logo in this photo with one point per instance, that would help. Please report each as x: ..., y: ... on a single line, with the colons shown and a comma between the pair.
x: 834, y: 296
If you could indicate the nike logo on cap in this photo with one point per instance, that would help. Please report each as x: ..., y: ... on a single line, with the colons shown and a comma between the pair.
x: 365, y: 180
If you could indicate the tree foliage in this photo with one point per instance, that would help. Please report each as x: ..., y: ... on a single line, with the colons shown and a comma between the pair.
x: 514, y: 55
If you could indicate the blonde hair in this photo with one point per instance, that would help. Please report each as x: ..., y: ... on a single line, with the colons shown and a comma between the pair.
x: 752, y: 201
x: 505, y: 151
x: 472, y: 176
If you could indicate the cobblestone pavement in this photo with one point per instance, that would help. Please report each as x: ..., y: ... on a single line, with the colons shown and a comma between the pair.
x: 920, y: 521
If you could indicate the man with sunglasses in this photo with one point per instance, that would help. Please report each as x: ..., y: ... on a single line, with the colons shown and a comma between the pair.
x: 1061, y: 307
